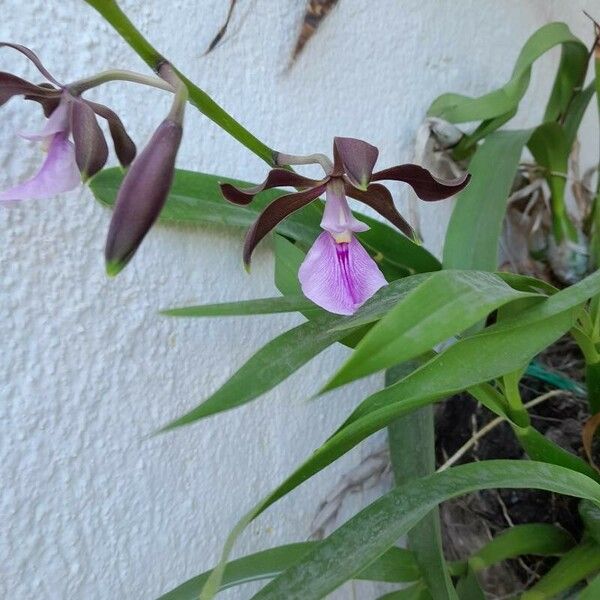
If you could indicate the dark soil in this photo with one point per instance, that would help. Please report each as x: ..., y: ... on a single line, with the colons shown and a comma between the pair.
x: 468, y: 523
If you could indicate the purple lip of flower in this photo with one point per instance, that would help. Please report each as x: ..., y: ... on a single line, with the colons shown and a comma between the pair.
x: 337, y: 273
x: 68, y: 115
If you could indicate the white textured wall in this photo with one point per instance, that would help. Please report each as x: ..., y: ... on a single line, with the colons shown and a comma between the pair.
x: 89, y: 508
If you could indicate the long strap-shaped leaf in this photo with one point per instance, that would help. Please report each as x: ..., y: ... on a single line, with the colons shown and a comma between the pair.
x: 457, y: 108
x: 261, y: 306
x: 366, y: 536
x: 285, y: 354
x: 579, y: 563
x: 196, y: 199
x: 476, y: 221
x: 416, y: 430
x: 446, y: 304
x: 498, y: 350
x: 396, y: 565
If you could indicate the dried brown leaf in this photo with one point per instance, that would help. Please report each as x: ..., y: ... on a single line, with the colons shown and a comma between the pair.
x: 316, y: 11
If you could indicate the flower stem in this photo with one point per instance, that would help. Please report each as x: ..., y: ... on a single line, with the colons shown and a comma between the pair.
x: 82, y: 85
x: 112, y: 13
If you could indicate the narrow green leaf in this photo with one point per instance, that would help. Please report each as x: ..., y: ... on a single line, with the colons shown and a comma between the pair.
x: 590, y: 515
x: 476, y: 222
x: 468, y: 587
x: 497, y: 350
x: 195, y: 199
x: 548, y: 144
x: 576, y: 112
x: 500, y: 349
x: 262, y: 306
x: 414, y: 592
x: 570, y: 77
x: 446, y: 304
x: 539, y: 447
x: 539, y: 539
x: 592, y: 592
x: 457, y: 108
x: 285, y: 354
x: 272, y: 364
x: 395, y: 566
x: 367, y: 535
x: 579, y: 563
x: 416, y: 430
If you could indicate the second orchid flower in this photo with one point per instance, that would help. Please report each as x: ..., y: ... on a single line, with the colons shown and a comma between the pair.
x: 337, y: 273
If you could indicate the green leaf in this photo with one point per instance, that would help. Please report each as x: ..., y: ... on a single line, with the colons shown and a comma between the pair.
x: 590, y: 515
x: 476, y: 222
x: 539, y: 447
x: 570, y: 77
x: 579, y: 563
x: 446, y: 304
x: 196, y: 199
x: 272, y: 364
x: 262, y: 306
x: 495, y: 351
x: 457, y: 108
x: 367, y: 535
x: 468, y: 587
x: 539, y: 539
x: 416, y: 430
x: 551, y: 151
x: 592, y: 592
x: 414, y: 592
x: 395, y: 566
x: 285, y: 354
x: 576, y: 112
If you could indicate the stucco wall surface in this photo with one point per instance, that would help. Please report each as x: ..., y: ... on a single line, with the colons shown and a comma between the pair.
x: 90, y: 507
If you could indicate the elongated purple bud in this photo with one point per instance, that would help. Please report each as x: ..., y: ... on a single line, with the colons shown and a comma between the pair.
x: 142, y: 195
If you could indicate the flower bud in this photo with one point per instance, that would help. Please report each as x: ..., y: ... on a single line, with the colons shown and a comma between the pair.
x: 142, y: 195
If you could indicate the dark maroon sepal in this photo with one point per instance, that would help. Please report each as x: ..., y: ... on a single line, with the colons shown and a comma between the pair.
x: 378, y: 197
x: 124, y: 146
x: 91, y: 151
x: 275, y: 213
x: 426, y: 186
x: 275, y: 178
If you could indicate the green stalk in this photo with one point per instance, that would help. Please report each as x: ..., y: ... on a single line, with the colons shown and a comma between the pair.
x: 112, y: 13
x: 516, y: 410
x: 411, y: 441
x: 595, y: 219
x: 592, y: 380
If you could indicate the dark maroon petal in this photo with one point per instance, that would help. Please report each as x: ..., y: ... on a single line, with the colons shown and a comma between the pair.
x: 357, y: 159
x: 275, y: 213
x: 91, y: 151
x: 426, y: 186
x: 276, y: 177
x: 49, y: 101
x: 142, y: 195
x: 11, y: 85
x: 379, y: 198
x: 33, y: 57
x: 124, y: 146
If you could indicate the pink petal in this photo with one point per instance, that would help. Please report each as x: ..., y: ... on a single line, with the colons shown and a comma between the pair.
x: 339, y: 277
x: 58, y: 174
x: 58, y: 122
x: 337, y: 216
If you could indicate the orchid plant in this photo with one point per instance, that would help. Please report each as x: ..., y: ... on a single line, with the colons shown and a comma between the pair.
x: 435, y: 330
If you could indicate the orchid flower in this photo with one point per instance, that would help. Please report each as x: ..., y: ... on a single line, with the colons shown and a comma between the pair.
x: 337, y: 273
x: 68, y: 115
